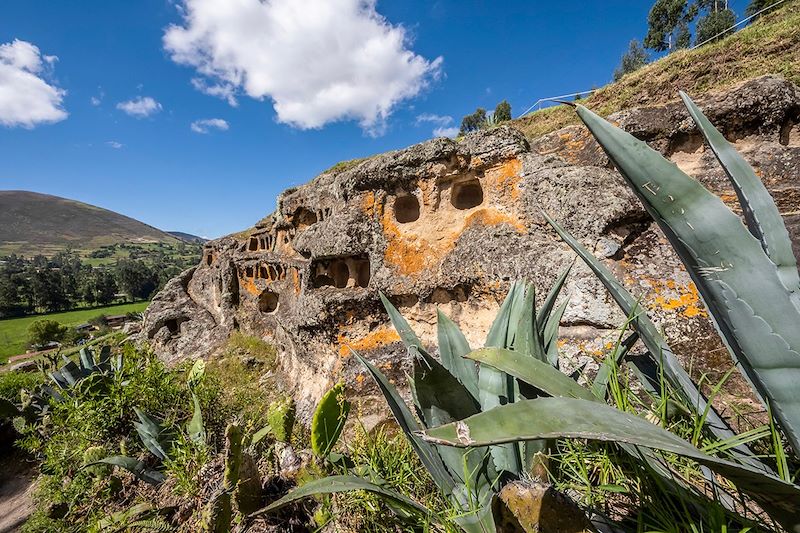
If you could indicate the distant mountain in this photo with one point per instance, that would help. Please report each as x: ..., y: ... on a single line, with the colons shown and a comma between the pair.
x: 188, y: 237
x: 33, y: 223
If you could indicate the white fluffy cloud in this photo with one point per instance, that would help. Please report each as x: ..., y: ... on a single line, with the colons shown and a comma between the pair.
x: 140, y: 107
x: 114, y: 144
x: 319, y: 61
x: 443, y: 123
x: 26, y: 99
x: 207, y: 124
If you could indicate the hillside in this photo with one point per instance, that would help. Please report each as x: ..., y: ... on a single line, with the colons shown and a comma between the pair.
x: 188, y: 237
x: 771, y: 45
x: 33, y: 223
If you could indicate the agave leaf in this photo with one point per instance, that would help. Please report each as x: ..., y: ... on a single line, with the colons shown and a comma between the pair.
x: 760, y: 211
x: 613, y: 359
x: 740, y: 285
x: 658, y: 347
x: 478, y: 517
x: 136, y: 467
x: 495, y: 387
x: 104, y: 359
x: 443, y: 399
x: 334, y: 484
x: 527, y: 339
x: 537, y: 373
x: 551, y: 333
x: 195, y: 428
x: 549, y: 303
x: 550, y: 418
x: 152, y: 434
x: 553, y: 383
x: 453, y: 346
x: 71, y: 373
x: 407, y: 334
x: 59, y: 379
x: 498, y: 333
x: 87, y: 360
x: 426, y: 452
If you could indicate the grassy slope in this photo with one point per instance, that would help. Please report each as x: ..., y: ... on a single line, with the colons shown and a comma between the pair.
x: 769, y: 46
x: 32, y: 223
x: 14, y: 331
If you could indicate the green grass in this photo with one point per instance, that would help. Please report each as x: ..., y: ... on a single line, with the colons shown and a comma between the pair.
x: 14, y: 331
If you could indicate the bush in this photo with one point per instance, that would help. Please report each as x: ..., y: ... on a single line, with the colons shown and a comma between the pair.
x: 101, y: 415
x: 11, y: 383
x: 46, y: 330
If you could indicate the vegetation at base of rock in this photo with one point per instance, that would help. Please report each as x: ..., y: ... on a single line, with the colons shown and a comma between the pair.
x: 768, y: 46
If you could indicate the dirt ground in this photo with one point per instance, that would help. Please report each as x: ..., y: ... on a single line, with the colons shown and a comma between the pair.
x: 16, y: 486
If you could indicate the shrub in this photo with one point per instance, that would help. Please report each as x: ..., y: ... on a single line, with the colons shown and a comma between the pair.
x: 46, y: 330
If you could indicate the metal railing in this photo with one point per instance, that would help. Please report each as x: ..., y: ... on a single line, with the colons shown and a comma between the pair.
x: 538, y: 103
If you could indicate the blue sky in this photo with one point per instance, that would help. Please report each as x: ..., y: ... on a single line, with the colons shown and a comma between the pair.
x: 335, y: 98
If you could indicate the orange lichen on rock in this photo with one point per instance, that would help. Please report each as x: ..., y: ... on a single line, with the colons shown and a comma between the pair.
x: 687, y: 302
x: 494, y: 217
x: 296, y: 280
x: 507, y: 177
x: 368, y: 203
x: 375, y: 339
x: 249, y: 285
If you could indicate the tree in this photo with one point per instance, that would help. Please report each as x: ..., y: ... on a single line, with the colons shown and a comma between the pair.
x: 48, y: 290
x: 757, y: 5
x: 473, y: 122
x: 136, y: 279
x: 668, y: 24
x: 43, y: 331
x: 105, y: 287
x: 502, y: 112
x: 713, y: 24
x: 635, y: 58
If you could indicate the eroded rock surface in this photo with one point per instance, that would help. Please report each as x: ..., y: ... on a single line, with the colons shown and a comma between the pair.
x: 449, y: 224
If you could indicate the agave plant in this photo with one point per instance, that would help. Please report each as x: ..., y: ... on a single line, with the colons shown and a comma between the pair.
x: 89, y: 371
x: 748, y: 279
x: 158, y: 438
x: 451, y: 390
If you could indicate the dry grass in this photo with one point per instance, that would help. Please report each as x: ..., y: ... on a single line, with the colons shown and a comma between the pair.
x: 769, y: 46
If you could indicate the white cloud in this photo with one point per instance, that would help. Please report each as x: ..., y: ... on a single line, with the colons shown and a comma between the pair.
x: 140, y: 107
x: 205, y: 125
x: 319, y: 61
x: 451, y: 132
x: 98, y: 98
x: 26, y: 99
x: 114, y: 144
x: 442, y: 122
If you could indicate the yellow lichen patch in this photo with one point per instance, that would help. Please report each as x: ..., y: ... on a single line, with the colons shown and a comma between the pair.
x: 368, y: 203
x: 296, y: 280
x: 493, y: 217
x: 375, y: 339
x: 249, y: 285
x: 507, y: 177
x: 687, y: 300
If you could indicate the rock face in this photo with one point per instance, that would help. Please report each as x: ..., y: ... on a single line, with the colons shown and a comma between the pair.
x: 449, y: 224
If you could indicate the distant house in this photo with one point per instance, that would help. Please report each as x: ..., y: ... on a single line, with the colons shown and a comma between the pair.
x: 116, y: 321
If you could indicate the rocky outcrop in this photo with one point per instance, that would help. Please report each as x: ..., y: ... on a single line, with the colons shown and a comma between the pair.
x: 449, y: 224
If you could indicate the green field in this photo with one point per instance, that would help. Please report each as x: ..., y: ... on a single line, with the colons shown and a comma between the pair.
x: 14, y: 331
